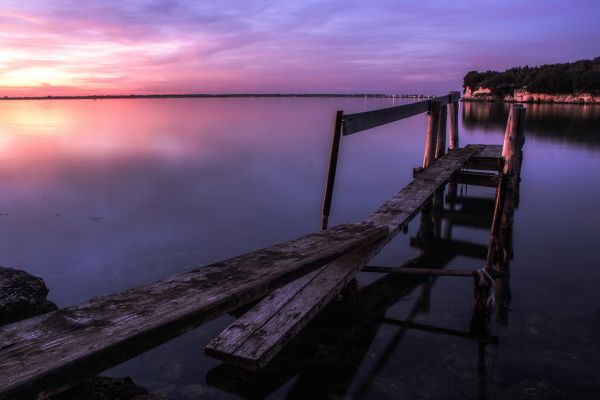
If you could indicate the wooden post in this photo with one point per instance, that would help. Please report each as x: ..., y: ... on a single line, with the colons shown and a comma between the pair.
x: 440, y: 147
x: 333, y: 156
x: 433, y: 118
x: 513, y: 141
x: 453, y: 124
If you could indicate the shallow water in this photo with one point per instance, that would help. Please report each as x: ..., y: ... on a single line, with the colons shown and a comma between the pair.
x: 99, y: 196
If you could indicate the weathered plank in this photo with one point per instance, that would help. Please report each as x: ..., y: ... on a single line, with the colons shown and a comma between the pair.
x: 421, y: 271
x: 406, y: 203
x: 62, y: 346
x: 477, y: 178
x: 359, y: 122
x: 255, y: 338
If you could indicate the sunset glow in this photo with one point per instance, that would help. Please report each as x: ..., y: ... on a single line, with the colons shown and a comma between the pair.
x: 168, y: 46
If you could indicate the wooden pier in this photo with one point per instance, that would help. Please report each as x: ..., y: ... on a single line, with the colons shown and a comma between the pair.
x: 294, y: 279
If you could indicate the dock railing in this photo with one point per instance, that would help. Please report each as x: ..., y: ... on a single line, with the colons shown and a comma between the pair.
x: 435, y: 147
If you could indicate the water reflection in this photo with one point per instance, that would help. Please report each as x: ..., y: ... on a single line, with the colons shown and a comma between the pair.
x: 187, y: 182
x: 325, y: 360
x: 573, y: 124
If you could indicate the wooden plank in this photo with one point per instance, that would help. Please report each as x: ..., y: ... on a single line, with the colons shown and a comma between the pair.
x: 406, y: 203
x: 254, y: 339
x: 477, y: 179
x: 359, y: 122
x: 433, y: 271
x: 491, y: 151
x: 440, y: 330
x: 62, y: 346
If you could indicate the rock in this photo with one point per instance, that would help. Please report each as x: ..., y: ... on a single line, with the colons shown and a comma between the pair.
x: 22, y: 296
x: 105, y: 388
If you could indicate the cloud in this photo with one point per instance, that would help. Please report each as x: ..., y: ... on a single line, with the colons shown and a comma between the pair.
x: 173, y: 46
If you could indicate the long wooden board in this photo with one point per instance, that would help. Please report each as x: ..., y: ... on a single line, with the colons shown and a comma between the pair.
x: 256, y: 337
x: 407, y: 203
x: 358, y: 122
x: 62, y: 346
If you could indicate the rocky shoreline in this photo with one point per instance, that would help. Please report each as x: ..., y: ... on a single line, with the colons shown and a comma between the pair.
x: 23, y: 296
x: 523, y: 96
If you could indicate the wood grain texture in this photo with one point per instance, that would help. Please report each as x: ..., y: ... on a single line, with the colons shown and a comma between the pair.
x: 254, y: 339
x: 359, y: 122
x: 406, y: 203
x: 62, y: 346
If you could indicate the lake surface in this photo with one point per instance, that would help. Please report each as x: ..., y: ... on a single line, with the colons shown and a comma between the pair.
x: 100, y: 196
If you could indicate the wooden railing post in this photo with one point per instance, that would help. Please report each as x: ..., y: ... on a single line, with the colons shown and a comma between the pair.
x: 433, y: 118
x: 453, y: 123
x: 333, y: 156
x: 440, y: 148
x: 514, y: 138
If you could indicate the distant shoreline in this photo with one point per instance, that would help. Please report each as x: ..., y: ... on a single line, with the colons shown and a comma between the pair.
x: 204, y: 95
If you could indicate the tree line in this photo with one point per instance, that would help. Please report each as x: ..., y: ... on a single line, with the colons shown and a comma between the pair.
x: 580, y: 76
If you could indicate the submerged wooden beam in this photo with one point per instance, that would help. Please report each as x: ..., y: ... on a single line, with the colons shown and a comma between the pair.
x: 63, y: 346
x: 440, y: 330
x: 477, y: 178
x: 420, y: 271
x: 362, y: 121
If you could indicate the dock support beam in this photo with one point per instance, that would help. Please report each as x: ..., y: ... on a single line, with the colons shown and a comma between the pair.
x: 433, y: 119
x: 505, y: 195
x: 333, y: 156
x: 440, y: 148
x: 453, y: 111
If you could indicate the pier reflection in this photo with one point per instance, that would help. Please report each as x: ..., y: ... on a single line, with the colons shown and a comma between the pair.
x: 330, y: 356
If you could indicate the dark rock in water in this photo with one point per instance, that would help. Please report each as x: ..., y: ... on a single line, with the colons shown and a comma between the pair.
x: 105, y: 388
x: 22, y: 296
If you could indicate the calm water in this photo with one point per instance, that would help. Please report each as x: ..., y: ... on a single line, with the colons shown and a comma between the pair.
x: 100, y: 196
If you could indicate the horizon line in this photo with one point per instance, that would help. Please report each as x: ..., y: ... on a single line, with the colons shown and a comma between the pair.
x: 213, y: 95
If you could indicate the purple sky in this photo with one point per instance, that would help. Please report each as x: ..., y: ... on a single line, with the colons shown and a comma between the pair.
x: 167, y: 46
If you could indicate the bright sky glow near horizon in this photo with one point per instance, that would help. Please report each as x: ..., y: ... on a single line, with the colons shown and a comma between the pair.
x: 80, y: 47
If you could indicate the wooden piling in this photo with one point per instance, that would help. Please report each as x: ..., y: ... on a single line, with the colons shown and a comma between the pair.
x: 333, y: 156
x: 513, y: 141
x: 433, y: 118
x: 453, y: 111
x: 440, y: 148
